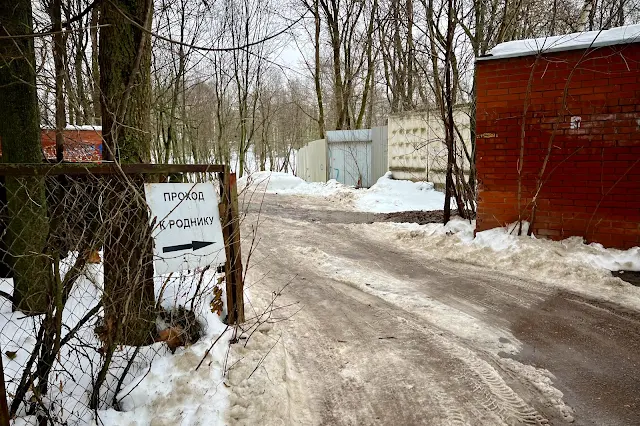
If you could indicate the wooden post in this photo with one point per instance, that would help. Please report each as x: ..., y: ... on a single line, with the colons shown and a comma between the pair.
x: 236, y: 265
x: 224, y: 218
x: 231, y: 231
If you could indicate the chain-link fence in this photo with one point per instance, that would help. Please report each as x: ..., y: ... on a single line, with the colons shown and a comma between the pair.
x: 81, y: 310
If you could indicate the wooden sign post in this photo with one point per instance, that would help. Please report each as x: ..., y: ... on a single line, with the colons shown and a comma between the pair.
x: 230, y: 216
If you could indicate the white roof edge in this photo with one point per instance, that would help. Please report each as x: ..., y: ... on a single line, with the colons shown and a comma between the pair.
x: 75, y: 127
x: 422, y: 112
x: 575, y: 41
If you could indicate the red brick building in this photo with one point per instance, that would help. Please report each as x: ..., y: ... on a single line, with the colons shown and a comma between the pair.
x: 562, y: 116
x: 81, y: 143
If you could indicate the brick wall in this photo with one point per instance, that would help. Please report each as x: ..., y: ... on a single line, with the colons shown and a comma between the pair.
x: 592, y: 178
x: 79, y: 145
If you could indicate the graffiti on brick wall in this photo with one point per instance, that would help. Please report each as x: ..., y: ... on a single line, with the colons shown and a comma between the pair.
x: 77, y: 151
x: 80, y: 144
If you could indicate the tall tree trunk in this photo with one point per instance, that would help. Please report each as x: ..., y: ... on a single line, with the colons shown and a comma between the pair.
x: 72, y: 96
x: 95, y: 67
x: 479, y: 42
x: 171, y: 140
x: 410, y: 56
x: 449, y: 136
x: 316, y: 76
x: 620, y: 13
x: 125, y: 64
x: 370, y: 66
x: 83, y: 110
x: 55, y: 13
x: 338, y: 86
x: 28, y: 226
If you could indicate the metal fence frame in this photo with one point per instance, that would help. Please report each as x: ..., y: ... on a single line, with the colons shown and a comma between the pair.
x: 228, y: 209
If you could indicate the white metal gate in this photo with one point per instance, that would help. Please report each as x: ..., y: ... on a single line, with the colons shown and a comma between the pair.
x: 350, y: 163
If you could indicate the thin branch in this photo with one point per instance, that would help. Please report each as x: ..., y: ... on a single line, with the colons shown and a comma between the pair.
x: 211, y: 49
x: 206, y: 354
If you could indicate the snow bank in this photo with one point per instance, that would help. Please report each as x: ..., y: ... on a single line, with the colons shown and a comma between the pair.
x: 386, y: 196
x: 583, y: 40
x: 285, y: 183
x: 173, y: 392
x: 568, y: 264
x: 170, y: 390
x: 161, y: 388
x: 505, y: 242
x: 389, y: 195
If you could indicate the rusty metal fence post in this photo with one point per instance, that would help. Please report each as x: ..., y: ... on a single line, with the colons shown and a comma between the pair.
x: 229, y: 213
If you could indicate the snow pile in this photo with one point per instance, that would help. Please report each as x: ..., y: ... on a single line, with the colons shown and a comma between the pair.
x: 569, y: 263
x: 288, y: 184
x: 161, y: 388
x: 611, y: 259
x: 170, y: 390
x: 506, y: 242
x: 583, y: 40
x: 389, y: 195
x: 386, y: 196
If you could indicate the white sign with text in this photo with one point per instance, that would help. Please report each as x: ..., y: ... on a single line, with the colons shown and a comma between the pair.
x: 187, y: 230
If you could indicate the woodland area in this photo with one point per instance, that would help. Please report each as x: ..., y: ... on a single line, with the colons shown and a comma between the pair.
x: 238, y: 79
x: 247, y: 82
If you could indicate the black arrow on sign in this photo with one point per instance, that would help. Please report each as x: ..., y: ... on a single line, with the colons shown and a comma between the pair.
x: 195, y: 245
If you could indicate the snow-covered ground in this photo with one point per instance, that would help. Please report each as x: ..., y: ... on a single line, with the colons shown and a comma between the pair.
x: 385, y: 196
x: 169, y: 390
x: 389, y: 195
x: 461, y: 317
x: 161, y: 388
x: 569, y: 264
x: 328, y: 363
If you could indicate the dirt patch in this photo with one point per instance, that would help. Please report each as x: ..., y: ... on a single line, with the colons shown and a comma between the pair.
x: 279, y: 205
x: 632, y: 277
x: 420, y: 217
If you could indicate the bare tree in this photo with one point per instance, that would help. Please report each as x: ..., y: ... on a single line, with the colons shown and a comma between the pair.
x: 27, y: 229
x: 125, y: 54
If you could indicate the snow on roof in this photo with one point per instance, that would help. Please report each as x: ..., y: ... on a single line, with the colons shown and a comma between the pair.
x: 76, y: 127
x: 360, y: 135
x: 583, y: 40
x: 84, y: 127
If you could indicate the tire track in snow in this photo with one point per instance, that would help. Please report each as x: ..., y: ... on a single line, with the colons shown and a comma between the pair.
x: 536, y: 291
x: 477, y: 374
x: 487, y: 394
x: 442, y: 406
